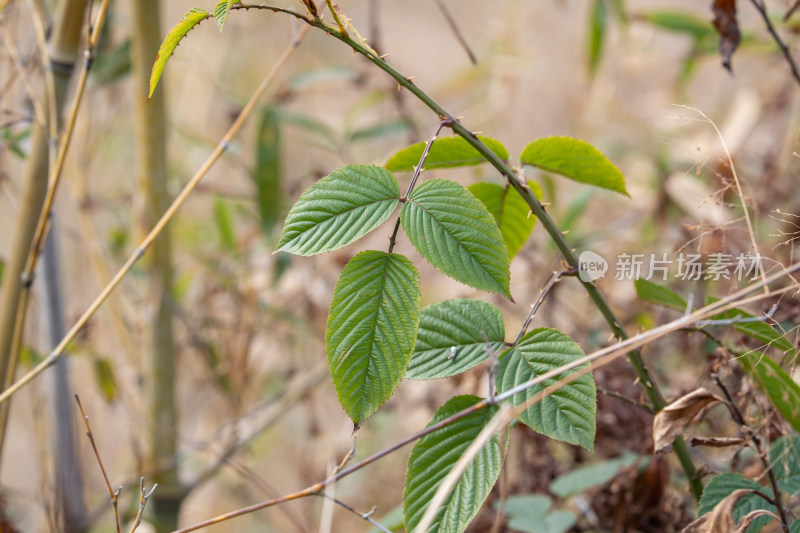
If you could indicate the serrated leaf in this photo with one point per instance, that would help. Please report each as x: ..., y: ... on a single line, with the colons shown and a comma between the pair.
x: 221, y: 11
x: 598, y: 22
x: 567, y: 414
x: 338, y: 209
x: 191, y: 19
x: 449, y: 152
x: 784, y: 456
x: 721, y: 486
x: 268, y: 171
x: 590, y: 476
x: 435, y: 455
x: 512, y: 215
x: 450, y: 339
x: 453, y: 230
x: 576, y: 160
x: 659, y: 295
x: 369, y: 338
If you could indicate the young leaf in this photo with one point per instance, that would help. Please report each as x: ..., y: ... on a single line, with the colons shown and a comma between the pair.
x: 567, y: 414
x: 371, y: 326
x: 221, y: 11
x: 598, y: 22
x: 444, y: 153
x: 659, y: 295
x: 435, y: 455
x: 338, y: 209
x: 267, y: 174
x: 450, y: 338
x: 454, y: 231
x: 191, y: 19
x: 576, y: 160
x: 512, y: 215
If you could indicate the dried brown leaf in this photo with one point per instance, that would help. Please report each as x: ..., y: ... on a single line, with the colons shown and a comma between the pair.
x: 728, y: 29
x: 744, y: 523
x: 672, y: 420
x: 720, y: 520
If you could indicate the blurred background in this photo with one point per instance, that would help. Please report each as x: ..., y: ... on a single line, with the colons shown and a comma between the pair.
x: 255, y: 414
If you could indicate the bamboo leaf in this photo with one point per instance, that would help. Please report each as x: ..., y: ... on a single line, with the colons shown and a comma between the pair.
x: 779, y: 387
x: 435, y: 455
x: 659, y: 295
x: 191, y: 19
x: 268, y: 171
x: 454, y: 231
x: 598, y: 22
x: 451, y: 338
x: 371, y: 329
x: 449, y: 152
x: 338, y: 209
x: 576, y: 160
x: 512, y: 215
x: 567, y: 414
x: 224, y: 220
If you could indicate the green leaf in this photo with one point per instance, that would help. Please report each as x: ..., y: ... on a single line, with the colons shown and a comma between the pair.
x: 659, y: 295
x: 454, y: 231
x: 449, y: 152
x: 576, y: 160
x: 371, y: 326
x: 104, y: 374
x: 721, y: 486
x: 598, y: 22
x: 455, y: 324
x: 530, y: 513
x: 221, y: 12
x: 779, y: 387
x: 2, y: 269
x: 222, y: 216
x: 590, y: 476
x: 339, y: 209
x: 435, y: 455
x: 567, y: 414
x: 268, y: 173
x: 512, y: 215
x: 680, y: 22
x: 393, y: 521
x: 759, y: 330
x: 784, y: 456
x: 191, y: 19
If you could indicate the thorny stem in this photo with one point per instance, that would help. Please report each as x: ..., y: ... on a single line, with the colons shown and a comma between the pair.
x: 756, y: 440
x: 113, y: 495
x: 542, y: 295
x: 762, y: 10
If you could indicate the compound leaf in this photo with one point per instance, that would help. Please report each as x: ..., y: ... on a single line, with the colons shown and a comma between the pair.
x: 566, y: 414
x: 454, y: 231
x: 369, y: 338
x: 338, y: 209
x: 191, y: 19
x: 451, y: 338
x: 449, y: 152
x: 435, y: 455
x: 512, y: 215
x: 576, y: 160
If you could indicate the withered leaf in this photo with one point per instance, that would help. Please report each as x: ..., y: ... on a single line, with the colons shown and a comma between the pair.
x: 728, y: 29
x: 720, y: 520
x: 672, y: 420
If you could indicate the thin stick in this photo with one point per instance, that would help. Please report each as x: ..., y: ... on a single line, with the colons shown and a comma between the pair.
x: 363, y: 516
x: 762, y: 9
x: 542, y: 295
x: 454, y: 28
x: 113, y: 495
x: 165, y: 218
x: 143, y: 498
